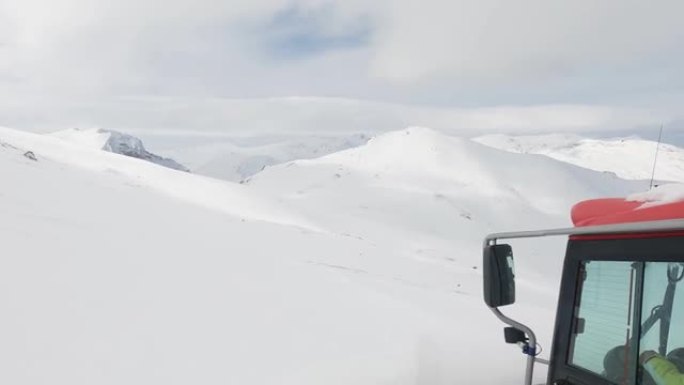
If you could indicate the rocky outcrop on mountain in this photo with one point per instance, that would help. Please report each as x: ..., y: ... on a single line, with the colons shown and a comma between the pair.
x: 131, y: 146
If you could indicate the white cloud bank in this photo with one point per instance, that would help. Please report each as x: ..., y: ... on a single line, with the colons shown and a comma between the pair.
x: 75, y: 62
x: 333, y: 115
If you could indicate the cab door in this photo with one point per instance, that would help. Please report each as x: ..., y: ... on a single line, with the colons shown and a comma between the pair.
x: 617, y: 301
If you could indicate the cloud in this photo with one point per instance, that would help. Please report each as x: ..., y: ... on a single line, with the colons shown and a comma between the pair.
x: 500, y: 40
x: 76, y: 43
x: 296, y: 32
x: 71, y: 50
x: 74, y: 62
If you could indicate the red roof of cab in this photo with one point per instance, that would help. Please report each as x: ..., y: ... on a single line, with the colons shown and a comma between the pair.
x: 618, y: 210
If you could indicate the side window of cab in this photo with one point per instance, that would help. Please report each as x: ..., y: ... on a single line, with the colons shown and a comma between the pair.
x: 603, y: 322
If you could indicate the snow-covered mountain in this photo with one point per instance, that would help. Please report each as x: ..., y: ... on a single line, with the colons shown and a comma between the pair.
x: 629, y: 158
x: 116, y: 142
x: 358, y: 267
x: 431, y: 188
x: 237, y: 158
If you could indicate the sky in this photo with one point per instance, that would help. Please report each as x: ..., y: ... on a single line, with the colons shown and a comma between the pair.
x: 314, y: 65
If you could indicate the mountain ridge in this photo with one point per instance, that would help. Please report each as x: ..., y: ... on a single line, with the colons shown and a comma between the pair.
x: 629, y: 157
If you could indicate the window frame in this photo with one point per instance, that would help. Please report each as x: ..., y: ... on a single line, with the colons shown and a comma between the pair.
x: 639, y: 250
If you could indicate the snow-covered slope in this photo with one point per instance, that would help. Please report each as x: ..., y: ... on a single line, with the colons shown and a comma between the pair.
x: 207, y: 192
x: 359, y: 267
x: 431, y: 188
x: 629, y: 158
x: 236, y: 158
x: 116, y: 142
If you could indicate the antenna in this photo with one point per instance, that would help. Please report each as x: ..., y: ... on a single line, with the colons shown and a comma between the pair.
x: 655, y: 159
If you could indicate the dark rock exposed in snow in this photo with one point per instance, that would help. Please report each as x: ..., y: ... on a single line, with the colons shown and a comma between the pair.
x: 30, y: 155
x: 128, y: 145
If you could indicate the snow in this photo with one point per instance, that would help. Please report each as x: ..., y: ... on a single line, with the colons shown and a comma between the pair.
x: 660, y: 194
x: 89, y: 138
x: 203, y: 191
x: 629, y: 158
x: 359, y: 267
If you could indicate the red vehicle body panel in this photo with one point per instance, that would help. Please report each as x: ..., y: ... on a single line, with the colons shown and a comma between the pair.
x: 618, y: 210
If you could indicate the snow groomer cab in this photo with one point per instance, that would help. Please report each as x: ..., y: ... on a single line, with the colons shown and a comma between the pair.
x: 620, y: 315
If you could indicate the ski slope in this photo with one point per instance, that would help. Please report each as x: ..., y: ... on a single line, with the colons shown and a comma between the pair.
x: 629, y: 158
x: 358, y: 267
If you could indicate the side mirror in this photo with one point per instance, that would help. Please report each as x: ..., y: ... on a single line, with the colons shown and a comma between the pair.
x: 499, y: 278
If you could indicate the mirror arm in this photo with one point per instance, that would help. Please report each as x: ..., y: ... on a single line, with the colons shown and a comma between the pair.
x: 531, y: 343
x: 530, y: 347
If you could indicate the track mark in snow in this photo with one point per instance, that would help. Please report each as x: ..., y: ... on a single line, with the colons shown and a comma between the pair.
x: 338, y: 267
x: 7, y: 145
x: 387, y: 279
x: 348, y: 235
